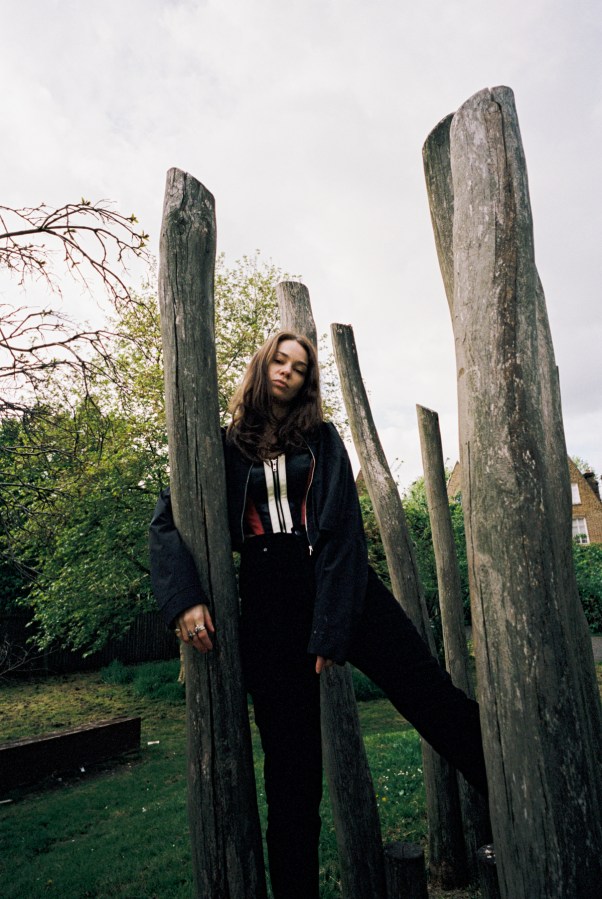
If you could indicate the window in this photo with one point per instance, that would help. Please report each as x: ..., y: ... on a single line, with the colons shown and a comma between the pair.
x: 575, y: 492
x: 580, y: 534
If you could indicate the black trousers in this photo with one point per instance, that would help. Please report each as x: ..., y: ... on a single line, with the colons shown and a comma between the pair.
x: 277, y: 590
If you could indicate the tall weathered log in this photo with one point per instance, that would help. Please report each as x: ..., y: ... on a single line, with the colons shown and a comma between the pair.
x: 474, y: 806
x: 222, y: 806
x: 352, y: 797
x: 437, y: 170
x: 295, y: 309
x: 354, y: 808
x: 447, y: 859
x: 446, y: 559
x: 536, y: 677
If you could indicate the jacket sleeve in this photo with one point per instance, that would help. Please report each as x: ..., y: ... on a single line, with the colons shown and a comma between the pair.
x: 341, y: 562
x: 174, y: 577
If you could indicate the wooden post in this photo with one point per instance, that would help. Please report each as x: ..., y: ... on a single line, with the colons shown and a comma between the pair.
x: 295, y: 310
x: 354, y: 807
x: 446, y: 560
x: 406, y: 874
x: 222, y: 806
x: 539, y: 700
x: 447, y: 859
x: 474, y: 806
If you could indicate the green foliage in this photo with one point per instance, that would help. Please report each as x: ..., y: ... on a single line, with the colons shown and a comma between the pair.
x: 84, y: 530
x: 588, y: 571
x: 14, y: 585
x: 246, y: 313
x: 457, y: 520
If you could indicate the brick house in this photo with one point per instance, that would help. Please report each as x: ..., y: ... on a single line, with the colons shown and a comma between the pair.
x: 587, y: 507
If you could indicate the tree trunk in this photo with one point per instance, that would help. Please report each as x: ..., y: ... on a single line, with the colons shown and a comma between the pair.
x: 474, y: 806
x: 354, y: 808
x: 539, y: 700
x: 222, y: 807
x: 447, y: 860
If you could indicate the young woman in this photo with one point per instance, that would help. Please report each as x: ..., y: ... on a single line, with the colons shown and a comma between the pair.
x: 308, y: 600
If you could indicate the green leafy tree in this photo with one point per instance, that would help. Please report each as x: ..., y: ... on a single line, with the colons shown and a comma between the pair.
x: 92, y: 572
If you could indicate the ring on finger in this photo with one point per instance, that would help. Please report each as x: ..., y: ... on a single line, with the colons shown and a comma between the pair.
x: 199, y: 628
x: 191, y: 634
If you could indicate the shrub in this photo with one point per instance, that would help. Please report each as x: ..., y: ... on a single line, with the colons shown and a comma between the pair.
x: 116, y: 673
x: 159, y: 680
x: 155, y: 680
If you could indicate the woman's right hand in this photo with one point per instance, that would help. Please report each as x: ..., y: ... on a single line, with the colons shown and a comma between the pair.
x: 194, y: 625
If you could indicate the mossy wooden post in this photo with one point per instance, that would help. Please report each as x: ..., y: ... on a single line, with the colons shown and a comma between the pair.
x: 540, y: 707
x: 474, y: 806
x: 354, y: 808
x: 447, y: 857
x: 222, y: 807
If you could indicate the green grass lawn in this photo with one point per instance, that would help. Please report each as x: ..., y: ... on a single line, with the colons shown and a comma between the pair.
x: 121, y: 830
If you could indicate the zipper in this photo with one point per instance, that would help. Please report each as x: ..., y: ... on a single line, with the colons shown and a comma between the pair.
x: 244, y: 505
x: 274, y: 464
x: 309, y: 486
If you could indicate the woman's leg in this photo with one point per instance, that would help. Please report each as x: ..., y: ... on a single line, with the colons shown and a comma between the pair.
x: 277, y: 603
x: 289, y: 725
x: 389, y: 650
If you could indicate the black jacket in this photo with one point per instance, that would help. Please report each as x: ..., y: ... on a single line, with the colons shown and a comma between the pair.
x: 334, y: 530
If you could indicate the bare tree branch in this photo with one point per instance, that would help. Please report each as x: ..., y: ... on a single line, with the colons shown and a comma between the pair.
x: 94, y: 238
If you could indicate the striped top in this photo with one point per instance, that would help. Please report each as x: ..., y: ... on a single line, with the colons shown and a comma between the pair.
x: 276, y: 494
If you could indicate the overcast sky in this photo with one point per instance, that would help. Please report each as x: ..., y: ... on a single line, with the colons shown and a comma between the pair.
x: 306, y: 121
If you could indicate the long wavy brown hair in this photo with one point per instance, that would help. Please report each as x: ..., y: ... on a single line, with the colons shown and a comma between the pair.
x: 254, y: 428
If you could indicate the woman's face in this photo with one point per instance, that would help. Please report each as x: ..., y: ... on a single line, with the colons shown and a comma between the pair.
x: 287, y: 371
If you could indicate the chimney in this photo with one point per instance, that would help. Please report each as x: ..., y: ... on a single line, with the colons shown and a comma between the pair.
x: 590, y: 477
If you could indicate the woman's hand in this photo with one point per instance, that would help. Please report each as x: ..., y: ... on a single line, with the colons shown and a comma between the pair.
x: 322, y: 663
x: 194, y: 626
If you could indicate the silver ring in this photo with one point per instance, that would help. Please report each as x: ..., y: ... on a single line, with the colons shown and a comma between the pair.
x: 177, y: 632
x: 191, y: 634
x: 199, y: 628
